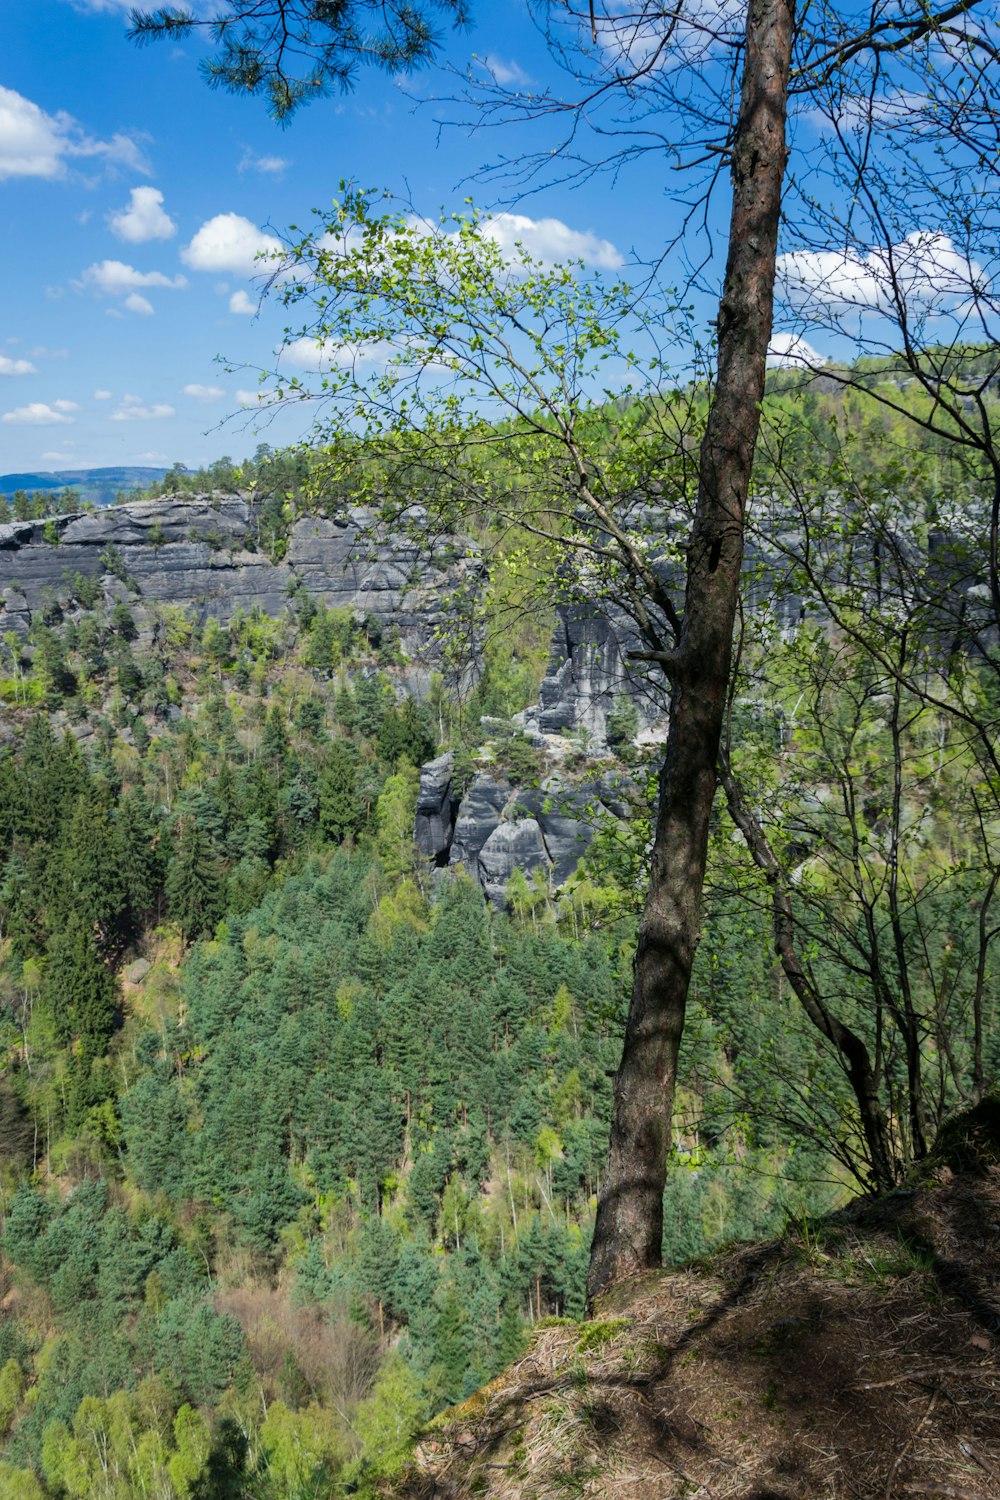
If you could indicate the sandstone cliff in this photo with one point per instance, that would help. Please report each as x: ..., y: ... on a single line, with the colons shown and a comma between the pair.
x: 201, y: 552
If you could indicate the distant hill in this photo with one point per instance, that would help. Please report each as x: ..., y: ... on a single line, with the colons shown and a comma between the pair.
x: 100, y: 486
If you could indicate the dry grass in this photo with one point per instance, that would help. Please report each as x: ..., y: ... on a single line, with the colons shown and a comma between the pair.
x: 855, y: 1360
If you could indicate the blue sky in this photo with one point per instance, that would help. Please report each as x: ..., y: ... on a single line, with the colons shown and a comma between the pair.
x: 134, y: 197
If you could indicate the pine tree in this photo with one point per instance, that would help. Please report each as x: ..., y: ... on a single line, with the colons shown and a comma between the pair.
x: 415, y: 727
x: 88, y: 864
x: 137, y: 855
x: 392, y: 738
x: 452, y: 1343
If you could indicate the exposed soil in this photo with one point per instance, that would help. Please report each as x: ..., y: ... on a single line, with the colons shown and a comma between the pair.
x: 853, y: 1359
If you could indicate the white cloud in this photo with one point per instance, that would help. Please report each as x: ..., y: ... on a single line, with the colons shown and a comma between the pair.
x: 153, y: 456
x: 136, y: 303
x: 631, y: 43
x: 58, y: 458
x: 42, y: 414
x: 324, y: 354
x: 790, y: 350
x: 550, y: 240
x: 256, y: 398
x: 504, y: 73
x: 134, y: 409
x: 858, y: 112
x: 272, y: 166
x: 10, y: 366
x: 229, y: 243
x: 924, y: 272
x: 144, y: 218
x: 102, y: 395
x: 314, y: 354
x: 116, y: 278
x: 36, y: 144
x: 204, y: 392
x: 239, y: 302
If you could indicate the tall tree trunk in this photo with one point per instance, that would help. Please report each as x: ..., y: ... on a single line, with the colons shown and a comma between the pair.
x: 629, y: 1228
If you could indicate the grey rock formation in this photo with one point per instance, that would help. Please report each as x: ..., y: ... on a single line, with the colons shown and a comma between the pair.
x: 434, y: 823
x: 510, y: 847
x: 579, y: 691
x: 498, y: 829
x: 589, y: 674
x: 200, y: 552
x: 478, y: 815
x: 567, y: 815
x: 617, y: 792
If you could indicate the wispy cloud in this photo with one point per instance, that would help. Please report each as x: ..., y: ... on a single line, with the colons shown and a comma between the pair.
x: 509, y: 74
x: 271, y: 166
x: 203, y: 392
x: 10, y: 366
x: 135, y: 409
x: 42, y: 414
x: 34, y: 143
x: 116, y: 278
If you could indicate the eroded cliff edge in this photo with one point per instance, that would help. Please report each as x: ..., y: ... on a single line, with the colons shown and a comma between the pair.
x: 203, y: 553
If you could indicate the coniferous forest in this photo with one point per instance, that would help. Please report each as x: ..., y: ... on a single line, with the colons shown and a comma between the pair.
x: 298, y: 1142
x: 499, y: 888
x: 300, y: 1137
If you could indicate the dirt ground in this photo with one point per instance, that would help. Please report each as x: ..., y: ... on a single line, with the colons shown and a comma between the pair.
x: 852, y: 1360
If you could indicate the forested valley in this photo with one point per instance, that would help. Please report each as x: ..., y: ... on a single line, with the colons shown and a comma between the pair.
x: 300, y: 1137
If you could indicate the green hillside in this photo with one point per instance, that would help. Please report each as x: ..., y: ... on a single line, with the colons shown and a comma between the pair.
x: 299, y: 1137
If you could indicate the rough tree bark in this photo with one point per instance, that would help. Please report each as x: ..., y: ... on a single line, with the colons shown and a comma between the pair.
x: 629, y: 1227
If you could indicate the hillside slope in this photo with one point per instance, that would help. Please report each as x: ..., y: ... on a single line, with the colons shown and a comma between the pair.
x: 853, y: 1358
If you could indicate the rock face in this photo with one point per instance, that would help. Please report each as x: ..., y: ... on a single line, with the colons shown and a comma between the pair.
x: 496, y: 829
x: 586, y: 674
x: 567, y: 816
x: 200, y: 552
x: 479, y: 813
x: 510, y: 847
x: 434, y: 822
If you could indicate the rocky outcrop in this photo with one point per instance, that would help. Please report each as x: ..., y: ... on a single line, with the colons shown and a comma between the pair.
x: 567, y: 817
x: 434, y: 821
x: 201, y: 552
x: 479, y: 813
x: 586, y: 673
x: 511, y: 846
x: 496, y: 829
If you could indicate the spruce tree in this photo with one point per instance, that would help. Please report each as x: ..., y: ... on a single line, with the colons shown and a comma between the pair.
x: 193, y: 882
x: 138, y: 857
x: 79, y: 986
x: 339, y: 809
